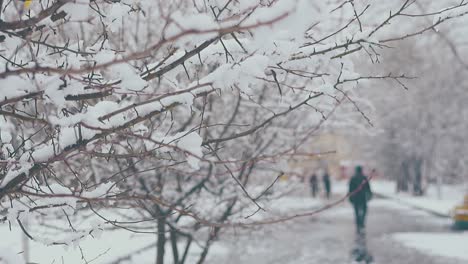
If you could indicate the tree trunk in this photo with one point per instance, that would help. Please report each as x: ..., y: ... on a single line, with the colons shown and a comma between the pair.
x: 417, y: 179
x: 402, y: 183
x: 439, y: 186
x: 161, y: 238
x: 175, y: 250
x: 186, y: 250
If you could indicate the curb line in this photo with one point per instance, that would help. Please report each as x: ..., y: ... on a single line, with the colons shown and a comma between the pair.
x: 435, y: 213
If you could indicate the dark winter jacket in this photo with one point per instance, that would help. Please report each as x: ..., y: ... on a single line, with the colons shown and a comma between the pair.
x: 364, y: 194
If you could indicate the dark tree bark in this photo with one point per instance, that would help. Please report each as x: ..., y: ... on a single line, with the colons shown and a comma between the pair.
x: 417, y: 179
x: 402, y: 184
x: 161, y: 236
x: 175, y: 250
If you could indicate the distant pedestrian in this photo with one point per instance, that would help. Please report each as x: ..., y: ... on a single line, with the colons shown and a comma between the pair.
x: 359, y: 194
x: 313, y: 184
x: 327, y: 184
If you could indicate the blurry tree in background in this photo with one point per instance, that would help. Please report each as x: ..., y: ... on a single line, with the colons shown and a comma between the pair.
x: 422, y: 139
x: 176, y: 118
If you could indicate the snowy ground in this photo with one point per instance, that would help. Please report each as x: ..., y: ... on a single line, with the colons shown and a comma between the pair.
x: 445, y: 244
x: 450, y: 197
x: 395, y: 234
x: 329, y: 238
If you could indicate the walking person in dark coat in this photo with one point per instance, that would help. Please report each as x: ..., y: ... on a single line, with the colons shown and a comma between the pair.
x: 360, y: 193
x: 327, y: 184
x: 313, y: 184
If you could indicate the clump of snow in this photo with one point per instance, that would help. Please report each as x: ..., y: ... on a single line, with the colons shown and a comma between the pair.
x: 130, y: 79
x: 13, y: 86
x: 244, y: 74
x: 203, y: 25
x: 5, y: 136
x: 192, y: 143
x: 103, y: 56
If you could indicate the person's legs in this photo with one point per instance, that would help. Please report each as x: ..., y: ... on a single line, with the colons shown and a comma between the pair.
x: 364, y: 213
x: 356, y: 216
x: 360, y: 216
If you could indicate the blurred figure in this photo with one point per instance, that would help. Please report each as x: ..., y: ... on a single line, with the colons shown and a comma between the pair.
x: 313, y: 184
x: 327, y: 184
x: 359, y: 194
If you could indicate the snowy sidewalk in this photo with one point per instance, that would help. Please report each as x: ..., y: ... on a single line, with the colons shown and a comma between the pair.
x: 329, y: 237
x: 452, y: 245
x: 451, y: 196
x: 401, y: 240
x: 441, y: 244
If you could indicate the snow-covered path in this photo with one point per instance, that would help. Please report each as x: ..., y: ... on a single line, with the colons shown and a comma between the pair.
x: 329, y: 238
x: 325, y: 239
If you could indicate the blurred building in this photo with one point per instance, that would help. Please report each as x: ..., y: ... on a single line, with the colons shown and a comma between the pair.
x: 335, y: 152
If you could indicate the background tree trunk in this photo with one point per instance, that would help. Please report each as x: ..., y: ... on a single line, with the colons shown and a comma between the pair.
x: 161, y: 236
x: 402, y: 183
x: 417, y: 179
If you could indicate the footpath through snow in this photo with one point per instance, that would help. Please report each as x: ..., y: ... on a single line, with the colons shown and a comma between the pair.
x: 452, y: 245
x: 424, y: 236
x: 440, y: 241
x: 447, y: 244
x: 450, y: 197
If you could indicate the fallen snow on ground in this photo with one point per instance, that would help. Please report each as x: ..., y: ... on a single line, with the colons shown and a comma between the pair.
x: 294, y: 203
x: 104, y: 249
x: 395, y: 205
x: 451, y: 196
x: 282, y: 207
x: 118, y: 244
x: 451, y: 245
x: 346, y: 212
x: 111, y: 246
